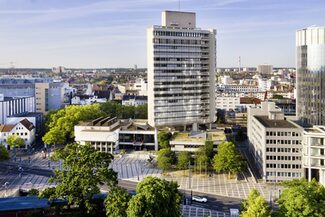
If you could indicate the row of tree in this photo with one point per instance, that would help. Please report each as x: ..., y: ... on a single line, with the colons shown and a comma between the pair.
x: 300, y: 198
x: 59, y: 124
x: 85, y: 170
x: 227, y: 159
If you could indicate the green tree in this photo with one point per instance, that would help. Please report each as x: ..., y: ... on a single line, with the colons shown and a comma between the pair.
x: 228, y: 159
x: 84, y: 169
x: 33, y: 192
x: 61, y: 124
x: 4, y: 154
x: 302, y: 198
x: 202, y: 161
x: 163, y: 139
x: 208, y: 149
x: 183, y: 159
x: 255, y: 205
x: 113, y: 109
x: 15, y: 141
x: 155, y: 197
x: 165, y: 159
x: 116, y: 202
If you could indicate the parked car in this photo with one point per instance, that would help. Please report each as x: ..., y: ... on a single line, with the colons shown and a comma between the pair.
x: 199, y: 199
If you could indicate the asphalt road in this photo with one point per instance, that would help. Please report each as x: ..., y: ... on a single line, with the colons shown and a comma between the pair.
x: 215, y: 202
x: 13, y: 168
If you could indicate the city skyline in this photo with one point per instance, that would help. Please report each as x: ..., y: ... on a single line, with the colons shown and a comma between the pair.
x: 113, y: 33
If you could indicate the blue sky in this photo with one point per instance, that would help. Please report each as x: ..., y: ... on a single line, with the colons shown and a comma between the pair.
x: 112, y: 33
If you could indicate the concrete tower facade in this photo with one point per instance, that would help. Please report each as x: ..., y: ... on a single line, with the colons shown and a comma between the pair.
x: 181, y: 72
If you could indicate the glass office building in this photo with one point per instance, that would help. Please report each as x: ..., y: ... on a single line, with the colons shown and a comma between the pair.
x: 310, y: 45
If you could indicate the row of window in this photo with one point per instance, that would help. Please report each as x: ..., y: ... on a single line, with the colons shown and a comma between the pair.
x: 273, y: 157
x: 180, y: 34
x: 180, y: 65
x: 178, y: 41
x: 284, y: 174
x: 272, y: 133
x: 283, y: 150
x: 179, y: 59
x: 284, y: 166
x: 283, y: 142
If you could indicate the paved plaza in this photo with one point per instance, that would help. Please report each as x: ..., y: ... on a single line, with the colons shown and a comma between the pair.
x: 134, y: 167
x: 192, y: 211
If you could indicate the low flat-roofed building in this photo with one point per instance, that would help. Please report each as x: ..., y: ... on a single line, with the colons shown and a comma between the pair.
x: 192, y: 141
x: 109, y: 134
x: 275, y: 143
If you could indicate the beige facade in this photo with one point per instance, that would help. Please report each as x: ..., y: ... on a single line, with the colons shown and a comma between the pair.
x: 275, y: 143
x: 181, y: 72
x: 41, y: 95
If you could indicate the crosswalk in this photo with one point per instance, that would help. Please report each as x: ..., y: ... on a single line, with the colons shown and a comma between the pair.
x: 192, y: 211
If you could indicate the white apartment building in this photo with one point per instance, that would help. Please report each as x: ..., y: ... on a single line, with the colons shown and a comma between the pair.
x: 238, y: 88
x: 226, y: 79
x: 227, y: 102
x: 313, y: 153
x: 23, y: 129
x: 181, y: 72
x: 275, y: 143
x: 264, y: 84
x: 141, y: 85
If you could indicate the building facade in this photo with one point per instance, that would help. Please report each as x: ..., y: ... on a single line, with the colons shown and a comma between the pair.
x: 49, y: 95
x: 23, y: 129
x: 265, y: 69
x: 275, y: 143
x: 310, y: 63
x: 14, y: 106
x: 181, y: 72
x: 107, y: 134
x: 313, y: 151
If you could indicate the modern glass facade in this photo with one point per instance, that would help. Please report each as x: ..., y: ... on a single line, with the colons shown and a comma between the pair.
x: 310, y: 44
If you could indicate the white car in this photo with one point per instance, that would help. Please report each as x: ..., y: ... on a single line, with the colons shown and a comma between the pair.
x: 199, y: 199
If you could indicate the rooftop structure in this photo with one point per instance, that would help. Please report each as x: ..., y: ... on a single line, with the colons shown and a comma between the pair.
x: 192, y: 141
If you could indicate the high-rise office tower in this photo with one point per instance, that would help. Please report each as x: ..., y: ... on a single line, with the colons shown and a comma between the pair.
x: 181, y: 72
x: 310, y: 62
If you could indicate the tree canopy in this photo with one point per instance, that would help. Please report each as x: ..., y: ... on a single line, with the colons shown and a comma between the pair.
x: 62, y: 122
x: 163, y: 139
x: 255, y: 205
x: 302, y: 198
x: 15, y: 141
x: 165, y: 159
x: 155, y: 197
x: 59, y: 125
x: 116, y: 202
x: 183, y: 159
x: 228, y: 159
x: 4, y: 154
x: 84, y: 169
